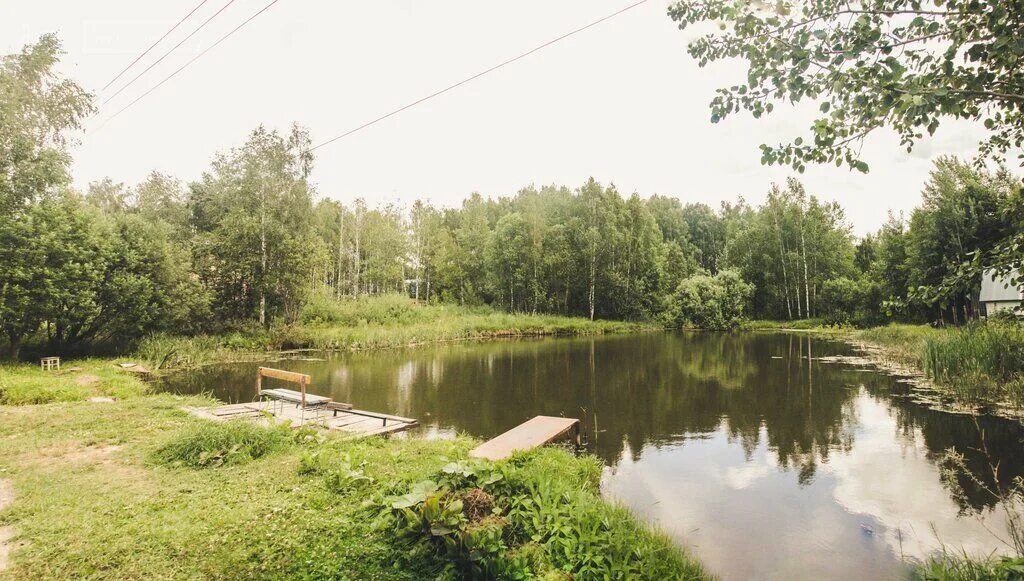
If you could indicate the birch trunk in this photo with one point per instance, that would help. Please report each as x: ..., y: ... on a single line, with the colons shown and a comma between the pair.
x: 263, y: 260
x: 803, y: 249
x: 593, y: 280
x: 782, y: 261
x: 341, y: 253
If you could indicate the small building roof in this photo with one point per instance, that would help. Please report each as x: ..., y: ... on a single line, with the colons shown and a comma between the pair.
x: 1000, y: 288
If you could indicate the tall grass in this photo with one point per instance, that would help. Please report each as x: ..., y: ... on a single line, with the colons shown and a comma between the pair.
x: 164, y: 351
x: 389, y: 309
x: 980, y: 361
x: 212, y: 444
x: 903, y: 343
x: 951, y: 566
x: 775, y: 325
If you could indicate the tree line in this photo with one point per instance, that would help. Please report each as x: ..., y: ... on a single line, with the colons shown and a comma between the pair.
x: 251, y: 240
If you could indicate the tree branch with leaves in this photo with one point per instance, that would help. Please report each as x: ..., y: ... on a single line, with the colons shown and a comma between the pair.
x: 905, y: 64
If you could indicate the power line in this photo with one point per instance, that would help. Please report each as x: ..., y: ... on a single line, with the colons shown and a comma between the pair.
x: 145, y: 52
x: 192, y: 60
x: 478, y: 75
x: 173, y: 48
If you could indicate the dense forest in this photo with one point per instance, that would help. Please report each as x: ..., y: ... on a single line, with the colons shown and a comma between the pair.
x: 251, y: 240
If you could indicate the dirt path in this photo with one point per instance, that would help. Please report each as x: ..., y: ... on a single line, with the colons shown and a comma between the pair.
x: 6, y: 533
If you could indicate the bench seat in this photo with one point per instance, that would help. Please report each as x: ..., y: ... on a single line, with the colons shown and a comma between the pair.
x: 292, y: 396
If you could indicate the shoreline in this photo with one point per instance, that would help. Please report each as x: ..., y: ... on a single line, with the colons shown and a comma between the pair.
x: 197, y: 351
x: 895, y: 360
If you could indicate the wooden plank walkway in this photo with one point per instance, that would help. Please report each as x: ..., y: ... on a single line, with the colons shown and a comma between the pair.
x: 335, y: 417
x: 528, y: 435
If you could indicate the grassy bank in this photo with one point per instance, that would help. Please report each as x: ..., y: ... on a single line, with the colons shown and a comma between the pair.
x: 794, y: 325
x: 978, y: 363
x: 137, y: 488
x: 381, y: 322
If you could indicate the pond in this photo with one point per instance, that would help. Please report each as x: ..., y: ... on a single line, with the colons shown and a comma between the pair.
x: 762, y: 458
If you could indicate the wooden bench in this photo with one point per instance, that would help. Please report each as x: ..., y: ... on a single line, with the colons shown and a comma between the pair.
x: 300, y: 398
x: 528, y: 435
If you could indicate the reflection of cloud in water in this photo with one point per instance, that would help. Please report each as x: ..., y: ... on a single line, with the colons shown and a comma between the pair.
x: 768, y: 528
x: 893, y: 480
x: 740, y: 477
x: 404, y: 376
x: 434, y: 432
x: 708, y: 494
x: 341, y: 376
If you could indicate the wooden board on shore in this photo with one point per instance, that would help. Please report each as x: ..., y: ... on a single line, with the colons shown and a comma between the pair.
x: 356, y: 422
x: 528, y: 435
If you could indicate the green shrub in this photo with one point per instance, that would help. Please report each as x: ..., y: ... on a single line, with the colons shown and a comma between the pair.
x: 847, y: 301
x: 212, y: 444
x: 710, y: 302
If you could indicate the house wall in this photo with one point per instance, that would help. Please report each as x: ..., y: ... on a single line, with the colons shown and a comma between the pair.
x: 993, y: 307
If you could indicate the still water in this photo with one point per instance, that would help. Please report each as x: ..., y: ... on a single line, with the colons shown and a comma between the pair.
x: 749, y: 449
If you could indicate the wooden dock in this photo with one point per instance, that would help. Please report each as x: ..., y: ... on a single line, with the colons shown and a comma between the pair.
x: 334, y: 416
x: 528, y: 435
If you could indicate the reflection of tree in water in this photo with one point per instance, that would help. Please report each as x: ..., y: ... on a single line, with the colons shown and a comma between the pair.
x: 231, y: 383
x: 648, y: 390
x: 803, y: 405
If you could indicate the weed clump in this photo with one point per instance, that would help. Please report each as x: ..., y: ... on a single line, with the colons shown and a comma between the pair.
x: 213, y: 444
x: 536, y: 515
x: 477, y: 504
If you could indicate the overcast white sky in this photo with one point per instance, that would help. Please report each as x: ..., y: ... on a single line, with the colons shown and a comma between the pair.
x: 622, y: 102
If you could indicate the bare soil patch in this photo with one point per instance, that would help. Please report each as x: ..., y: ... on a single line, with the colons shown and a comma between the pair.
x: 86, y: 379
x: 75, y: 452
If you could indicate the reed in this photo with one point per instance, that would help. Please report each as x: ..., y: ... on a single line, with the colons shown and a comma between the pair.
x: 978, y: 362
x: 981, y: 361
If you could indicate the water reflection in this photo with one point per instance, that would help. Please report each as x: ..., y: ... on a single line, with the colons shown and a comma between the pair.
x: 738, y: 444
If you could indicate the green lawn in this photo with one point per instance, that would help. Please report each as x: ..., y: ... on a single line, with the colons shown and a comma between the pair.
x: 138, y: 488
x: 77, y: 380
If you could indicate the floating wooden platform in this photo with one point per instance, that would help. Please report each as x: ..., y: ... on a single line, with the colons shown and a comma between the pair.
x: 333, y: 416
x: 528, y: 435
